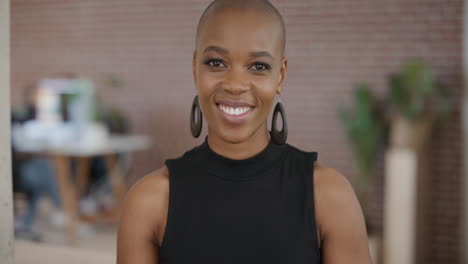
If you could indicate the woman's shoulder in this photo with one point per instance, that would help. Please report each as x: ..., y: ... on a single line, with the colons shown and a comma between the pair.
x: 329, y: 178
x: 147, y: 202
x: 323, y: 175
x: 151, y: 184
x: 332, y: 188
x: 335, y: 200
x: 151, y: 191
x: 328, y: 181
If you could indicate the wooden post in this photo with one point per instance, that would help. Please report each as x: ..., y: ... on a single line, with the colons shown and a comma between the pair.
x: 6, y: 198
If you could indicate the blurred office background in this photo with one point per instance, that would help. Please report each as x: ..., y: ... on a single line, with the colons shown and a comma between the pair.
x: 137, y: 54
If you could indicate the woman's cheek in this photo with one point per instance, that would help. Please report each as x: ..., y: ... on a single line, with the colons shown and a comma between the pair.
x: 206, y: 86
x: 206, y: 82
x: 203, y: 86
x: 266, y: 91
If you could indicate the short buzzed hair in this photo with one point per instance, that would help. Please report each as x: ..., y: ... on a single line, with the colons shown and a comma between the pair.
x: 263, y: 6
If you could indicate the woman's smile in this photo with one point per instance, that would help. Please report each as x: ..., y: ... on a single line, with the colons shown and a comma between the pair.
x: 233, y: 112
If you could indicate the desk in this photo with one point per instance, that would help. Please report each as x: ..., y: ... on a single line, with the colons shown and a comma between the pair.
x: 31, y: 253
x: 61, y: 157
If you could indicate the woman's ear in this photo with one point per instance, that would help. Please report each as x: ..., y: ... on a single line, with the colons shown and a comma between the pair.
x: 194, y: 66
x: 282, y: 75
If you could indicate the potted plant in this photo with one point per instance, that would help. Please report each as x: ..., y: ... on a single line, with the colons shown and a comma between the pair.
x: 417, y: 102
x: 364, y: 126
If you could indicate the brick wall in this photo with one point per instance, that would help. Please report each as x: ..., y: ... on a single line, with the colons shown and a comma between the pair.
x: 331, y: 45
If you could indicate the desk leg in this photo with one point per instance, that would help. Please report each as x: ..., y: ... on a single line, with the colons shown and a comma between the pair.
x: 82, y: 174
x: 68, y: 194
x: 116, y: 179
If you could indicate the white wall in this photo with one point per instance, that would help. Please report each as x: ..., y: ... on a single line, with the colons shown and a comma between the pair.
x: 6, y: 204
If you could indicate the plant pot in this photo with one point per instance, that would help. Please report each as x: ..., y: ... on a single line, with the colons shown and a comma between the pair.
x: 410, y: 134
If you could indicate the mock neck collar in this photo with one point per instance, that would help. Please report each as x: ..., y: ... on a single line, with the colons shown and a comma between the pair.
x: 244, y: 169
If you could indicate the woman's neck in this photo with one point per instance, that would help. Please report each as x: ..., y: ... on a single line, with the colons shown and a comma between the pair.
x: 242, y: 150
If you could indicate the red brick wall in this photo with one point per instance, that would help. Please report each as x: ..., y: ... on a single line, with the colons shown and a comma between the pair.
x: 331, y: 45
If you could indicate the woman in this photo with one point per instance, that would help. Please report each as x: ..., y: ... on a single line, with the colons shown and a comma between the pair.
x: 244, y: 195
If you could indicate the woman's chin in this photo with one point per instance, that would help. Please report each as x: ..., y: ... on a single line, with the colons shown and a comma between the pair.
x: 234, y: 137
x: 234, y: 140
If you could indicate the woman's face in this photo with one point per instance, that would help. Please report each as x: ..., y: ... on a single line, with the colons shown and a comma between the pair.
x: 238, y: 69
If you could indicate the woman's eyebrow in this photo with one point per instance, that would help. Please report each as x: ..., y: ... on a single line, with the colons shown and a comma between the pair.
x: 224, y: 51
x: 261, y: 54
x: 217, y: 49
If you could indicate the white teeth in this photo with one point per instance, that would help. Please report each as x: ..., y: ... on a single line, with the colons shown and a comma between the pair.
x: 234, y: 111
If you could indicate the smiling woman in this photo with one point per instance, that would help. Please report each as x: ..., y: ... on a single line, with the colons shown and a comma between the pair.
x: 239, y: 59
x: 244, y: 195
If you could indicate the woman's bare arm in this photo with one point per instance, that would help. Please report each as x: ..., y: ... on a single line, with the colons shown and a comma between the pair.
x: 340, y: 220
x: 143, y: 219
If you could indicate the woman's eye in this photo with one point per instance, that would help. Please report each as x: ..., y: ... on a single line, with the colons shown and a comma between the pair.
x: 214, y: 63
x: 261, y: 66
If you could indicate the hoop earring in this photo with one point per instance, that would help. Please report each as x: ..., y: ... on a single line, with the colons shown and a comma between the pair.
x: 196, y: 127
x: 279, y: 136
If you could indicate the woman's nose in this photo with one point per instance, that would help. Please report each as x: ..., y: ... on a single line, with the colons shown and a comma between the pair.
x: 236, y: 83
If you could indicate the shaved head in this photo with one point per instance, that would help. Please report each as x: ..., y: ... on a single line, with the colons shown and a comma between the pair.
x: 262, y: 7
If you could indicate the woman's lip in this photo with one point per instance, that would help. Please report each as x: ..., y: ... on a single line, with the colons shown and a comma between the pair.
x: 235, y: 119
x: 233, y: 103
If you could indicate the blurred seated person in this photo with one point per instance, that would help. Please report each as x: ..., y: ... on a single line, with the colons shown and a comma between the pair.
x: 34, y: 177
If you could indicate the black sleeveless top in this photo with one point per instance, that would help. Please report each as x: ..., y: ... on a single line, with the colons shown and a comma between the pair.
x: 258, y: 210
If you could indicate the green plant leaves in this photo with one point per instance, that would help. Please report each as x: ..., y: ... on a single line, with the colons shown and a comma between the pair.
x: 414, y: 92
x: 362, y: 124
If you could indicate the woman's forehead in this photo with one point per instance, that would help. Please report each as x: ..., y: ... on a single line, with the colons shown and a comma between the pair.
x: 237, y: 31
